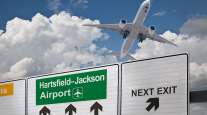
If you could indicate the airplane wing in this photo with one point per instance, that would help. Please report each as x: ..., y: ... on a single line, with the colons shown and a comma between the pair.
x: 114, y: 27
x: 159, y: 38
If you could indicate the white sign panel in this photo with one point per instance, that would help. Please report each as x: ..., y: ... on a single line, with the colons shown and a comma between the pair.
x: 12, y: 98
x: 86, y: 92
x: 156, y: 86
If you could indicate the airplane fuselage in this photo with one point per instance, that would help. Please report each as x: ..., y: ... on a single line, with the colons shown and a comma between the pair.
x: 142, y: 13
x: 137, y: 27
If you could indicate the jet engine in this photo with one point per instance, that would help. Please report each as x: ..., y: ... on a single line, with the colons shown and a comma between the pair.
x: 152, y: 30
x: 122, y: 21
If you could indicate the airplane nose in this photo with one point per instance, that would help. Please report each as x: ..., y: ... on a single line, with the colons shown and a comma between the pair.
x: 147, y: 1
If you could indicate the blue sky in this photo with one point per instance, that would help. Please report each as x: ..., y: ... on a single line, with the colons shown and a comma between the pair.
x: 173, y: 12
x: 109, y: 11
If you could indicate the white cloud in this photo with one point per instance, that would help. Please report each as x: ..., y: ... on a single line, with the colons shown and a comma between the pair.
x: 45, y: 45
x: 19, y: 69
x: 198, y: 74
x: 196, y: 26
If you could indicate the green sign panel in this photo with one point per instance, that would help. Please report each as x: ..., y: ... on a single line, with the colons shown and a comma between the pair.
x: 72, y: 87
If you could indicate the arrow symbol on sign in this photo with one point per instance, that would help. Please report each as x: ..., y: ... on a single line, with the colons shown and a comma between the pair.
x: 96, y: 107
x: 44, y: 111
x: 154, y: 102
x: 70, y: 109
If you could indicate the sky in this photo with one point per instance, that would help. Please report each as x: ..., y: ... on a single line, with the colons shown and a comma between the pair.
x: 165, y: 15
x: 46, y: 36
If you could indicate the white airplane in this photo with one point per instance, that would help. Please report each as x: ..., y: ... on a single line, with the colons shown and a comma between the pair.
x: 134, y: 30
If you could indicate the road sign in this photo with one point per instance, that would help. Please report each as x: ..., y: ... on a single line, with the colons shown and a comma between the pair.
x: 6, y: 89
x: 12, y: 98
x: 86, y: 92
x: 156, y: 86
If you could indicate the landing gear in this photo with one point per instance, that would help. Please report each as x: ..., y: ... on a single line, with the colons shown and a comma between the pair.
x: 125, y: 33
x: 141, y: 37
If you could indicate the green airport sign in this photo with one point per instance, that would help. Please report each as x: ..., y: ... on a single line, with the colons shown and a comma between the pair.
x: 72, y: 87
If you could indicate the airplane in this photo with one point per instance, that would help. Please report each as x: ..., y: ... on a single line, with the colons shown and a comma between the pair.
x: 134, y: 30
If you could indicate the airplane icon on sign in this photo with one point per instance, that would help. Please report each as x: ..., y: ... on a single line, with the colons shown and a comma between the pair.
x: 78, y: 93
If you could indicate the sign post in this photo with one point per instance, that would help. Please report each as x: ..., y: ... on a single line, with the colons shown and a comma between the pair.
x: 85, y: 92
x: 156, y: 86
